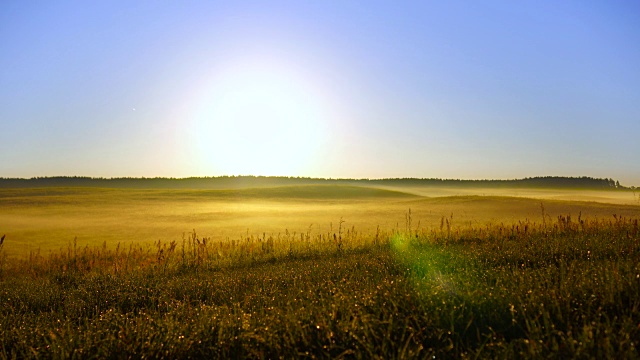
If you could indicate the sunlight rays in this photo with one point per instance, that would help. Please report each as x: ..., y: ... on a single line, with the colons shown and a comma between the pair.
x: 259, y: 119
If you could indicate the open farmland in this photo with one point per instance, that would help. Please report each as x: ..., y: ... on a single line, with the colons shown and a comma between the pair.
x: 318, y: 271
x: 49, y: 218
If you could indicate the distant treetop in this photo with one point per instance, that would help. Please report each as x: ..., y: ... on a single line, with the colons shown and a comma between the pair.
x: 232, y: 182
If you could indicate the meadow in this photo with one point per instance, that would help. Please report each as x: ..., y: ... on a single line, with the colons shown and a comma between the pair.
x: 50, y: 218
x: 319, y: 271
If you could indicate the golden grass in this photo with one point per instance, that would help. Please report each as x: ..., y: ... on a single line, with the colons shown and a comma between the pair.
x: 49, y: 219
x: 454, y: 277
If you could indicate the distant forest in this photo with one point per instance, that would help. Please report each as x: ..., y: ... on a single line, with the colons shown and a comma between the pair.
x: 233, y: 182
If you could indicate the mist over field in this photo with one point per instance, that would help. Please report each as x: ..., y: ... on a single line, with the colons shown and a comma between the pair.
x: 50, y: 212
x: 261, y: 267
x: 380, y: 180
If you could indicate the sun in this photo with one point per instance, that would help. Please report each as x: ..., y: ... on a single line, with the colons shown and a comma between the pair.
x: 260, y: 121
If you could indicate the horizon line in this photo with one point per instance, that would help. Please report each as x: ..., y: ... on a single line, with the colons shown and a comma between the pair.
x: 584, y: 177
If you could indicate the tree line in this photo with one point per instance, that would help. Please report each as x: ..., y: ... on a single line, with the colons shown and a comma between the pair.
x: 227, y: 182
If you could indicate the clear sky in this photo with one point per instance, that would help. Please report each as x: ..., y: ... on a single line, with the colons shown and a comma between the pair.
x: 449, y: 89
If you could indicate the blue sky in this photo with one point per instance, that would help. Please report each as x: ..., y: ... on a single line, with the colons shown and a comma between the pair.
x: 450, y: 89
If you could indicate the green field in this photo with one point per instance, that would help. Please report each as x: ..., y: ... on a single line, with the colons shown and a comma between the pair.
x: 319, y: 271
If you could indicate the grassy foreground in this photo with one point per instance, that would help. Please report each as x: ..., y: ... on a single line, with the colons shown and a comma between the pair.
x: 567, y: 288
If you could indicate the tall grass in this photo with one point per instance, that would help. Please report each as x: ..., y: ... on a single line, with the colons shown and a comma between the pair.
x: 565, y: 288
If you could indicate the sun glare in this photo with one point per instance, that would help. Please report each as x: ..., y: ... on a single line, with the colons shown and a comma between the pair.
x: 259, y: 121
